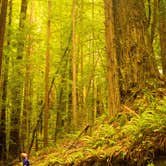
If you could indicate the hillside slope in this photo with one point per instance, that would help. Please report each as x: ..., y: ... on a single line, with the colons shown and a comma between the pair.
x: 137, y: 136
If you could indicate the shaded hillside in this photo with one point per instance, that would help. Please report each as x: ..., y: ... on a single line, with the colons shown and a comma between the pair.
x: 134, y: 137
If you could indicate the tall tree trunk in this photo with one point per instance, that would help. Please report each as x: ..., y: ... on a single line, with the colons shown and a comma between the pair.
x: 74, y: 65
x: 16, y: 132
x: 81, y: 57
x: 92, y: 110
x: 93, y: 53
x: 3, y: 14
x: 134, y: 48
x: 27, y: 88
x: 162, y: 30
x: 154, y: 21
x: 69, y: 112
x: 3, y: 131
x: 46, y: 110
x: 81, y: 96
x: 3, y: 85
x: 112, y: 66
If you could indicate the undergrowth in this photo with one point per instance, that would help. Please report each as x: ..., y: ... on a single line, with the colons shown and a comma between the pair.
x: 137, y: 139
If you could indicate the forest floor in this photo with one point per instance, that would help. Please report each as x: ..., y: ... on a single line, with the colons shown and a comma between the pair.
x: 137, y: 136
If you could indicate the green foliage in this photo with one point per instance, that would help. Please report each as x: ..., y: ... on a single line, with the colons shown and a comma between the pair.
x: 103, y: 135
x: 74, y: 156
x: 139, y: 133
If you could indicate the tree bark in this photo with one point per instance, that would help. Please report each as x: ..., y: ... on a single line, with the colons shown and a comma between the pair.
x: 92, y: 110
x: 162, y: 32
x: 154, y: 22
x: 112, y: 66
x: 81, y: 40
x: 3, y: 14
x: 74, y: 65
x: 3, y: 150
x: 27, y: 88
x: 46, y: 110
x: 134, y: 47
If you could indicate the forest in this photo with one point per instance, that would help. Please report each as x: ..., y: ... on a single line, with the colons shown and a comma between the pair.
x: 83, y: 82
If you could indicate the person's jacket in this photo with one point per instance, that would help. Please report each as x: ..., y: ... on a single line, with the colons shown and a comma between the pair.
x: 26, y: 162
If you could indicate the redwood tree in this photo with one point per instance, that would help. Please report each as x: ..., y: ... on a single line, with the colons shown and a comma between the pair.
x: 134, y: 48
x: 162, y: 32
x: 112, y: 66
x: 3, y: 14
x: 27, y: 109
x: 4, y: 4
x: 46, y: 110
x: 74, y: 65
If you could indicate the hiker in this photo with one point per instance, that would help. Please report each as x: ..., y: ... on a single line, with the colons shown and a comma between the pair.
x: 25, y: 159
